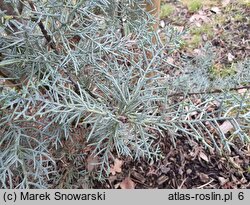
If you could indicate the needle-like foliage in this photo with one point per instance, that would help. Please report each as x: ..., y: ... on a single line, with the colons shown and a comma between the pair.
x: 92, y: 65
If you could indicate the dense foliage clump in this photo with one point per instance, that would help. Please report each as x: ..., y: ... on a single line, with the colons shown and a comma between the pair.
x: 89, y: 80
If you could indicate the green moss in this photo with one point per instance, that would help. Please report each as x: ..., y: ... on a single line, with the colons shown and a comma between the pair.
x: 244, y: 2
x: 191, y: 43
x: 248, y: 169
x: 167, y: 10
x: 204, y: 29
x: 196, y: 40
x: 220, y: 19
x: 221, y: 71
x: 193, y: 5
x: 238, y: 17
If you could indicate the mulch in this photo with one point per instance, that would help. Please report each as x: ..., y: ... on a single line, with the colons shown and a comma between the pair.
x: 186, y: 166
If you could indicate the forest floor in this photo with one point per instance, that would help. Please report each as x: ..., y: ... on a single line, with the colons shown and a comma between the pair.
x: 225, y: 26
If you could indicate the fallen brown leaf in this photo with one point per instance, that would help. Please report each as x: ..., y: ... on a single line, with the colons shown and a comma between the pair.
x: 223, y: 181
x: 226, y: 126
x: 91, y: 163
x: 127, y: 183
x: 203, y: 156
x: 199, y: 18
x: 116, y: 168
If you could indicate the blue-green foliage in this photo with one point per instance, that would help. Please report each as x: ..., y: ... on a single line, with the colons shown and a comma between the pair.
x: 98, y: 80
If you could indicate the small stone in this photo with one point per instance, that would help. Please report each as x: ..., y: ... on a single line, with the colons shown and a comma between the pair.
x: 162, y: 24
x: 222, y: 180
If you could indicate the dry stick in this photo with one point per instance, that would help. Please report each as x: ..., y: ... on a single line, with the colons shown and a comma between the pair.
x: 210, y: 92
x: 200, y: 187
x: 52, y: 44
x: 43, y: 30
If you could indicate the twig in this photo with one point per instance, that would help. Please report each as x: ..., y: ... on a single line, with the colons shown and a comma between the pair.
x: 200, y: 187
x: 43, y: 30
x: 182, y: 183
x: 52, y: 44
